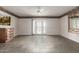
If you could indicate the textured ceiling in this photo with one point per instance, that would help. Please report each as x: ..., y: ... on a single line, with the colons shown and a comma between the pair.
x: 25, y: 11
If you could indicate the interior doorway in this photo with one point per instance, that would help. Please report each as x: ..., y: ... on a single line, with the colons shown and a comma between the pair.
x: 39, y: 26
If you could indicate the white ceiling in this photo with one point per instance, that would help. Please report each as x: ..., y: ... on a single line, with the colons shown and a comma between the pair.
x: 32, y: 10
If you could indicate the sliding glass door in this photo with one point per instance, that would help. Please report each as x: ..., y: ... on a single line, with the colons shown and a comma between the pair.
x: 39, y: 26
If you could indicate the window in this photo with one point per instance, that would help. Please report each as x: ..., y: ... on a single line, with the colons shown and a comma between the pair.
x: 73, y: 22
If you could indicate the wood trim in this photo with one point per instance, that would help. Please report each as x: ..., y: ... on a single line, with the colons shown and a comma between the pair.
x: 32, y: 26
x: 4, y: 10
x: 39, y: 17
x: 68, y: 24
x: 69, y: 11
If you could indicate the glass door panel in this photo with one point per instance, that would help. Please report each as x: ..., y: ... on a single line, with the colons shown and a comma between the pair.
x: 38, y: 26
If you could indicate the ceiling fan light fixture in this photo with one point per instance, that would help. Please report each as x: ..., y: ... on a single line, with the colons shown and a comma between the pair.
x: 39, y: 10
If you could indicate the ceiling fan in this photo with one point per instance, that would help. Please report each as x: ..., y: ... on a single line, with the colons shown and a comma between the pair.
x: 39, y: 10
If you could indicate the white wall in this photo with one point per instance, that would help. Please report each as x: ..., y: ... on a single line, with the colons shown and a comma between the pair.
x: 64, y: 30
x: 52, y: 26
x: 25, y: 26
x: 13, y: 21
